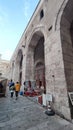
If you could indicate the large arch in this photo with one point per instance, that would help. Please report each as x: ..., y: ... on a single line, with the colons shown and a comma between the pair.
x: 18, y: 66
x: 66, y: 31
x: 35, y: 61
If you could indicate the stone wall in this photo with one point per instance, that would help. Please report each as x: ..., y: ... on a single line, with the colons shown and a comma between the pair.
x: 51, y: 27
x: 4, y: 68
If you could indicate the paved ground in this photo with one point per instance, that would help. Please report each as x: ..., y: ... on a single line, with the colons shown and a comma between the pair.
x: 25, y: 114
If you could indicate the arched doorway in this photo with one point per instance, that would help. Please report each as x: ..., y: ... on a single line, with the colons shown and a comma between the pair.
x: 66, y: 26
x: 20, y: 69
x: 35, y: 67
x: 39, y: 67
x: 19, y: 61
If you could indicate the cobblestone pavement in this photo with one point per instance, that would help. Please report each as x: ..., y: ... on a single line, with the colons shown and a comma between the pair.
x: 25, y: 114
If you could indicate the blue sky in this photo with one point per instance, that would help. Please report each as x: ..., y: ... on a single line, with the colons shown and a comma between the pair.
x: 14, y: 17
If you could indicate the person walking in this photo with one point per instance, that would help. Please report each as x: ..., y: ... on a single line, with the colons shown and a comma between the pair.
x: 11, y: 87
x: 17, y: 89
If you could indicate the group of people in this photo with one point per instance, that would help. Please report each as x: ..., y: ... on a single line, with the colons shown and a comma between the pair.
x: 14, y: 87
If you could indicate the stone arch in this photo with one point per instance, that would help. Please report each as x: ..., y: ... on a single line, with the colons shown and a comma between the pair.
x: 59, y: 15
x: 66, y: 31
x: 38, y: 28
x: 38, y: 61
x: 35, y: 54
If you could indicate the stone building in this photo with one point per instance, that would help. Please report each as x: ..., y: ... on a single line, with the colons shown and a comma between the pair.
x: 4, y: 68
x: 45, y: 52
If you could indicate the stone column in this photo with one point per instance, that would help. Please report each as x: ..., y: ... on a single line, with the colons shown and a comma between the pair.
x: 55, y: 75
x: 16, y: 72
x: 30, y: 65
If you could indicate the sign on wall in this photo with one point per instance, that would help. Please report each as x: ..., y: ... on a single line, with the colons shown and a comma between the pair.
x: 49, y: 97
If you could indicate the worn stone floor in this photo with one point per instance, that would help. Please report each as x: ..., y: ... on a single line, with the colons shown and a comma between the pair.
x: 25, y: 114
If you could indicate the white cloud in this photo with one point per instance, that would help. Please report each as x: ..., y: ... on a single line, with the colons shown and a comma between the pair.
x: 7, y: 55
x: 3, y: 17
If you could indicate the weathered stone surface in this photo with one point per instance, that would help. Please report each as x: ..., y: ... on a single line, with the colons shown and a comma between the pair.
x: 48, y: 41
x: 4, y: 68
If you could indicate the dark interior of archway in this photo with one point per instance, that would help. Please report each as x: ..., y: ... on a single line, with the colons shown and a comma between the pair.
x: 71, y: 33
x: 40, y: 66
x: 21, y: 62
x: 20, y: 67
x: 20, y: 77
x: 39, y: 50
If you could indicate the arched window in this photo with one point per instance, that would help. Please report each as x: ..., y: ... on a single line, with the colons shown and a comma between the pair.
x: 41, y: 14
